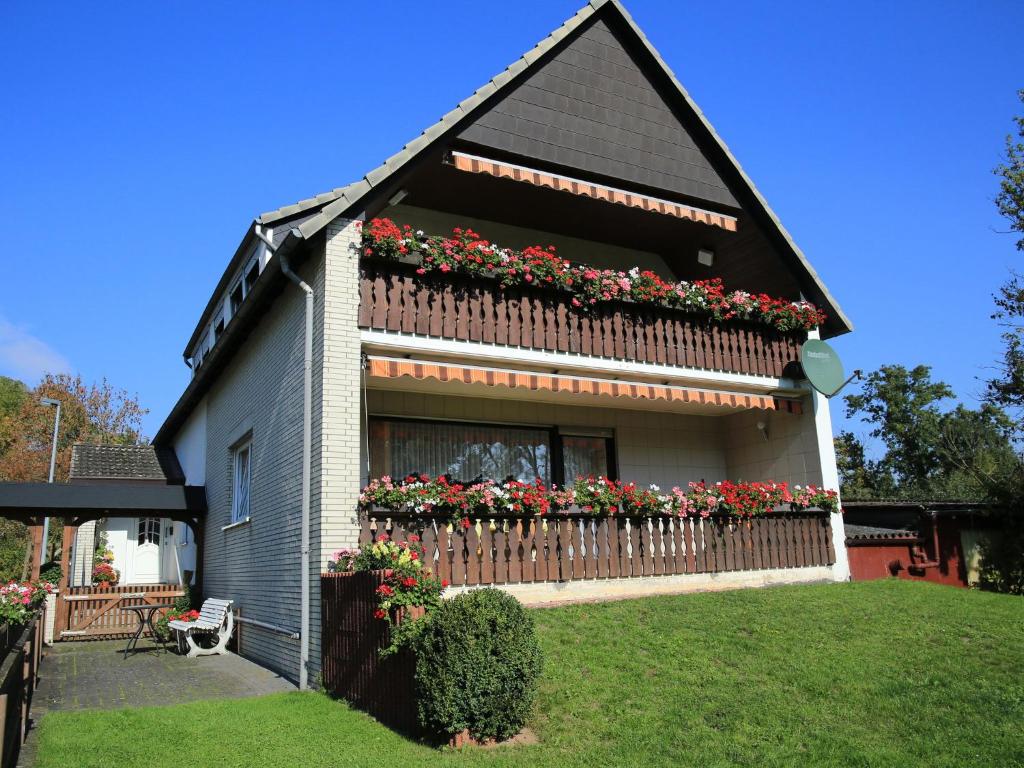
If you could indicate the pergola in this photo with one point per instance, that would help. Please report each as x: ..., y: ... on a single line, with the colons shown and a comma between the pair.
x: 74, y: 504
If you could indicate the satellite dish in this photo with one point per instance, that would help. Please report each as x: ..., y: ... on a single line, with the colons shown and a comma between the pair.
x: 822, y: 367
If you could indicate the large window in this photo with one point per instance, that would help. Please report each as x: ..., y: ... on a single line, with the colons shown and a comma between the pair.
x: 468, y: 451
x: 464, y: 451
x: 242, y: 473
x: 586, y: 455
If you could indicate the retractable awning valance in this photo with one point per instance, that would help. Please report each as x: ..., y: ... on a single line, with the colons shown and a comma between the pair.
x: 474, y: 164
x: 392, y: 368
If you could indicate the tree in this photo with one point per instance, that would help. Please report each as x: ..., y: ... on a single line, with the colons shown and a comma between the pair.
x: 859, y: 478
x: 930, y: 453
x: 903, y: 408
x: 95, y: 413
x: 89, y: 414
x: 1010, y: 200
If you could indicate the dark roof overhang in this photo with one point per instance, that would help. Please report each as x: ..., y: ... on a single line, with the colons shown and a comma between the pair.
x: 263, y: 293
x: 29, y: 502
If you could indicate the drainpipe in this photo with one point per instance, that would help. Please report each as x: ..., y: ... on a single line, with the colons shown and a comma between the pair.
x: 307, y: 454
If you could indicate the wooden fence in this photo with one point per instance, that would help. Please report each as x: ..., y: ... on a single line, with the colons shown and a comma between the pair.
x: 19, y: 673
x: 394, y: 298
x: 351, y: 638
x: 509, y: 550
x: 97, y: 612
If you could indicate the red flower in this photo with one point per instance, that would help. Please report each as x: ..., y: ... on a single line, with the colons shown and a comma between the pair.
x: 380, y: 613
x: 409, y: 581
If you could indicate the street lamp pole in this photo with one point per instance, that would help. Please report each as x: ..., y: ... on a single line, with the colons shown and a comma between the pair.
x: 53, y: 465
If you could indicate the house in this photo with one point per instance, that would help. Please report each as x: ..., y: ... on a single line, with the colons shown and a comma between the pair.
x: 143, y: 550
x: 317, y: 364
x: 938, y: 541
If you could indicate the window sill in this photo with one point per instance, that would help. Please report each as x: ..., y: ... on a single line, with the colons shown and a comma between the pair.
x: 239, y: 524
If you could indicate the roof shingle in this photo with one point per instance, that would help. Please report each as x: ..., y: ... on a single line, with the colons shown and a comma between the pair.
x: 125, y: 462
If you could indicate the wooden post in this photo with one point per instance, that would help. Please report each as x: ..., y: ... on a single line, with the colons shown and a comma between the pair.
x: 38, y: 551
x: 60, y: 618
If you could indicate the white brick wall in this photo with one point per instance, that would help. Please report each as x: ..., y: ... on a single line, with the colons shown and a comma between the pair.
x: 257, y: 564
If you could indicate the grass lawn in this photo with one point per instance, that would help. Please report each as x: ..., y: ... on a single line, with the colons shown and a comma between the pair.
x: 885, y: 673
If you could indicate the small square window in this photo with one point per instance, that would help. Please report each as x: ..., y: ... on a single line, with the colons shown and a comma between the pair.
x: 242, y: 473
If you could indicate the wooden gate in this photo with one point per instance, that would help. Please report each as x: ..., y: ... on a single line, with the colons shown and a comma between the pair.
x: 97, y: 612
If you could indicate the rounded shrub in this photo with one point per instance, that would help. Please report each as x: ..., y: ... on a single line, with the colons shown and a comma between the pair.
x: 477, y: 664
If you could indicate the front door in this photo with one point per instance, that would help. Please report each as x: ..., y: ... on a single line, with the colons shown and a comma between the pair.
x: 147, y: 551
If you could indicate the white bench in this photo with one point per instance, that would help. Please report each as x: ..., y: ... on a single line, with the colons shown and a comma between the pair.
x: 215, y: 618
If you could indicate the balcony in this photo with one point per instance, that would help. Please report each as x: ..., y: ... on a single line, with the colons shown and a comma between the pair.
x: 394, y: 298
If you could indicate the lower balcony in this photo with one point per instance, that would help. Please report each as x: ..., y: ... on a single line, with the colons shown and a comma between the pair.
x: 393, y: 298
x: 550, y: 551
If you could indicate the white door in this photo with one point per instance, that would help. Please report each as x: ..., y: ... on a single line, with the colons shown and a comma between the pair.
x: 147, y: 551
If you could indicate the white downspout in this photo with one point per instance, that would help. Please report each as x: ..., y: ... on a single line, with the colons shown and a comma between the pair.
x: 307, y: 456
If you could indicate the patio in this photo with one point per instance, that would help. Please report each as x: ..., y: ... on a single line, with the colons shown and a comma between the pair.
x: 94, y: 675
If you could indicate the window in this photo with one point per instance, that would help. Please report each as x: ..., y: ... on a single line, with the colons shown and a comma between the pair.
x: 464, y: 451
x: 585, y: 455
x: 149, y: 530
x: 250, y: 277
x: 218, y: 329
x: 236, y: 299
x: 242, y: 474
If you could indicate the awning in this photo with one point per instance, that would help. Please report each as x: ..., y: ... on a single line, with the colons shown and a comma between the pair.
x: 474, y: 164
x: 393, y: 368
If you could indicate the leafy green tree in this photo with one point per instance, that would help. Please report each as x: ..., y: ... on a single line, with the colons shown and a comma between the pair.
x: 1010, y: 200
x: 902, y: 407
x: 859, y: 478
x: 96, y: 413
x: 930, y: 453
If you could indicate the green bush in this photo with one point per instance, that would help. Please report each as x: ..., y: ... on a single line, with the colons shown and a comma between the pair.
x: 51, y: 572
x: 181, y: 604
x: 477, y: 664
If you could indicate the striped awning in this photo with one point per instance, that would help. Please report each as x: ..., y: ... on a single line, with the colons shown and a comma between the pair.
x: 392, y: 368
x: 474, y: 164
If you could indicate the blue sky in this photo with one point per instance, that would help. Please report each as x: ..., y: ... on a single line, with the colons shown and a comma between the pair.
x: 136, y: 147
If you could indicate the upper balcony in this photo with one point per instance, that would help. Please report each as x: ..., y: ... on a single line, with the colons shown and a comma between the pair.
x: 394, y: 298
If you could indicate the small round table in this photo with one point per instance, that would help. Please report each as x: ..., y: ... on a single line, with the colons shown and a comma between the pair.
x: 145, y: 613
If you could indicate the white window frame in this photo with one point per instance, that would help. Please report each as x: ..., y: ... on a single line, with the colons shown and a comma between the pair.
x: 241, y: 484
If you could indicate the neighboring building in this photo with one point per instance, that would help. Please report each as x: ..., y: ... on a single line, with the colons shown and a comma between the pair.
x: 146, y: 550
x: 938, y: 541
x: 588, y: 143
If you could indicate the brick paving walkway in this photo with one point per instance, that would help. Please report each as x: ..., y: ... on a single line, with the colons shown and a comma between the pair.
x: 94, y: 675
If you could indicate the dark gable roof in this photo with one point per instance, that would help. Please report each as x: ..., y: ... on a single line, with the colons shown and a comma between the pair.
x: 125, y: 462
x: 697, y: 161
x: 593, y: 108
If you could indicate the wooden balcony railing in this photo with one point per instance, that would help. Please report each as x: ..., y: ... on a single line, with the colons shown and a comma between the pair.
x: 393, y: 298
x: 518, y: 550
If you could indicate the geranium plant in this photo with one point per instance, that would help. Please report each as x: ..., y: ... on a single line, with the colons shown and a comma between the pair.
x: 469, y: 253
x: 597, y: 496
x: 187, y: 616
x: 19, y: 600
x: 407, y: 583
x: 813, y: 496
x: 105, y: 574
